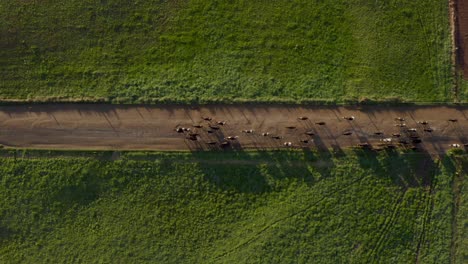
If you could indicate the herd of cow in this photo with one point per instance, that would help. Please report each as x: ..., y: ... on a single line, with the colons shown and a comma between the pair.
x: 406, y: 138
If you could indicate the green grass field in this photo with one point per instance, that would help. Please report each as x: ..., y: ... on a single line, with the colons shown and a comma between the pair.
x: 211, y: 50
x: 461, y: 210
x: 286, y: 207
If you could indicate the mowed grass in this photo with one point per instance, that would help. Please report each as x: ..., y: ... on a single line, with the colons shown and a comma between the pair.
x: 284, y: 207
x: 211, y: 50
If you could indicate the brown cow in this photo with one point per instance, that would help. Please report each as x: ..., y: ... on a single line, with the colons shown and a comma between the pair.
x: 225, y: 144
x: 364, y: 145
x: 193, y: 138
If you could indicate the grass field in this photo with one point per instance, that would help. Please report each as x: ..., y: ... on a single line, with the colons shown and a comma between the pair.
x: 206, y: 50
x: 286, y: 207
x: 461, y: 210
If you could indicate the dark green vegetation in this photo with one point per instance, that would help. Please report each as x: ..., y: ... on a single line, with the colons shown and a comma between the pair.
x: 286, y: 207
x: 217, y: 50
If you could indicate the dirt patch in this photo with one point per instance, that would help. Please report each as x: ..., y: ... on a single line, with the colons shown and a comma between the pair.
x: 460, y: 21
x: 119, y: 127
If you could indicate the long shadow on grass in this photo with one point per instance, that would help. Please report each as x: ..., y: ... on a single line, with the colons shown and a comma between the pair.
x: 262, y: 171
x: 407, y: 169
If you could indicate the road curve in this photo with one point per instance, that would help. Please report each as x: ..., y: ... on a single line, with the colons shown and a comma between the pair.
x: 145, y: 127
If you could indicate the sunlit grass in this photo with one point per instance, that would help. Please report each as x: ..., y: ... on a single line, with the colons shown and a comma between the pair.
x: 205, y: 50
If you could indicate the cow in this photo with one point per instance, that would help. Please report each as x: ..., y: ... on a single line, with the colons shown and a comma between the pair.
x: 403, y: 142
x: 347, y: 133
x: 310, y: 133
x: 193, y: 138
x: 206, y: 118
x: 424, y: 122
x: 248, y: 131
x: 401, y: 119
x: 349, y: 118
x: 265, y: 134
x: 320, y: 123
x: 364, y: 145
x: 290, y: 127
x: 453, y: 120
x: 302, y: 118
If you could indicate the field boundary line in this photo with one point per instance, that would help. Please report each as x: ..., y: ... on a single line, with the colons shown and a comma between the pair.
x: 453, y: 8
x: 228, y: 102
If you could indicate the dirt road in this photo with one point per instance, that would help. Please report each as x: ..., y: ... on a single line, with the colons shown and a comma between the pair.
x: 93, y: 126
